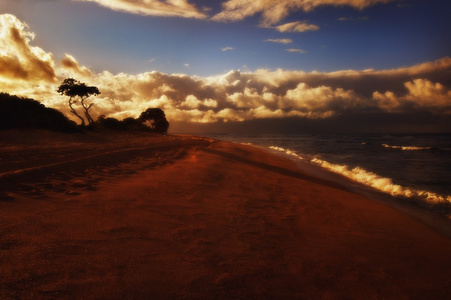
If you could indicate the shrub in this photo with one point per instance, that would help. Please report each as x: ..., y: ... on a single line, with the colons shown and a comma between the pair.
x: 21, y: 113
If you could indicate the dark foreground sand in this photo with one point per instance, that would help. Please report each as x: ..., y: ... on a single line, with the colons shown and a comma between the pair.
x: 150, y: 217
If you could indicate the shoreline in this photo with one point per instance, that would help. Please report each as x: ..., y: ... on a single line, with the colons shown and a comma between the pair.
x: 437, y: 221
x: 358, y: 168
x: 420, y: 211
x: 188, y: 217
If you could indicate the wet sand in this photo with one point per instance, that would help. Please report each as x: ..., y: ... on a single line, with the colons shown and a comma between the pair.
x: 133, y: 215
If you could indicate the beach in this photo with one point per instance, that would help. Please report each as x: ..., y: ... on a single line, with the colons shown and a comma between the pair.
x: 136, y: 215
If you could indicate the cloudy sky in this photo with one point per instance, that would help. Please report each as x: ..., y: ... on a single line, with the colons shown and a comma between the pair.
x: 239, y: 65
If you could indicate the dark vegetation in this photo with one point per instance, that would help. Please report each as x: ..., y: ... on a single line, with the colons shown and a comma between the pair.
x: 153, y: 119
x: 79, y: 91
x: 22, y: 113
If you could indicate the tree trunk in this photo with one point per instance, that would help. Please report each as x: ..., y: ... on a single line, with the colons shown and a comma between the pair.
x: 75, y: 113
x: 86, y: 108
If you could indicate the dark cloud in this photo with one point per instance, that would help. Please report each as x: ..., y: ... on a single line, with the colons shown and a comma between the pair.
x: 365, y: 123
x: 10, y: 67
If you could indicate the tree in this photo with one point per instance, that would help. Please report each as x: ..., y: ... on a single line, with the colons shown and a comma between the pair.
x: 73, y: 89
x: 156, y: 119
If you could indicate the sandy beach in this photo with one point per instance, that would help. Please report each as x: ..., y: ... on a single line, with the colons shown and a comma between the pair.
x: 142, y: 216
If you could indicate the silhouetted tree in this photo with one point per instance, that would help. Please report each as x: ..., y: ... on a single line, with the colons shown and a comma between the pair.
x: 73, y: 89
x: 132, y: 123
x: 156, y: 119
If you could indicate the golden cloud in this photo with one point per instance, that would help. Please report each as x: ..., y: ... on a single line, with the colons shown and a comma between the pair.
x: 297, y: 27
x: 237, y: 96
x: 169, y: 8
x: 421, y: 94
x: 275, y: 11
x: 19, y: 60
x: 69, y: 62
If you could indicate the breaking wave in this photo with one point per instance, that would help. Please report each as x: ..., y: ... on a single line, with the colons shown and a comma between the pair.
x: 382, y: 184
x: 286, y: 151
x: 406, y: 148
x: 373, y: 180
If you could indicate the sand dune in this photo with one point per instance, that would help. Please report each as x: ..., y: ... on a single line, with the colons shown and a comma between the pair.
x: 132, y: 215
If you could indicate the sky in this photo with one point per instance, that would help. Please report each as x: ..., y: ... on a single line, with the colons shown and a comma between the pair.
x: 239, y: 65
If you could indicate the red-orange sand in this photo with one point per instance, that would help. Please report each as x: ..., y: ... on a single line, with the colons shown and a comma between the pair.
x: 137, y: 216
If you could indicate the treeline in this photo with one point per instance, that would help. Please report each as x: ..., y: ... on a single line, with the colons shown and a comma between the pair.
x: 153, y: 119
x: 21, y: 113
x: 24, y: 113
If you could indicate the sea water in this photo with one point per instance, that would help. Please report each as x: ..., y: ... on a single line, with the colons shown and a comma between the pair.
x: 416, y: 168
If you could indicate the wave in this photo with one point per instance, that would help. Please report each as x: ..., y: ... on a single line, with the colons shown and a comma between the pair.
x: 406, y: 148
x: 373, y: 180
x: 286, y: 151
x: 382, y: 184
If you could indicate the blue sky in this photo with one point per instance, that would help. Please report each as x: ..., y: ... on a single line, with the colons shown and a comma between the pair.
x: 399, y: 33
x: 238, y: 61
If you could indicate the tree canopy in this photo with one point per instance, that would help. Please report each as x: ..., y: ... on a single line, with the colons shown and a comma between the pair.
x: 73, y: 89
x: 156, y: 119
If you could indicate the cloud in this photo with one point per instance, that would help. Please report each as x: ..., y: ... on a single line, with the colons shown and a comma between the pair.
x: 169, y: 8
x: 18, y: 59
x: 281, y: 41
x: 275, y: 11
x: 297, y: 27
x: 294, y: 50
x: 69, y: 63
x: 237, y: 96
x: 234, y: 96
x: 227, y: 49
x: 192, y: 102
x: 422, y: 94
x: 322, y: 100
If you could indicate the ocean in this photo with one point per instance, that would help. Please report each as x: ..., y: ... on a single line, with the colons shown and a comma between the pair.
x: 413, y: 168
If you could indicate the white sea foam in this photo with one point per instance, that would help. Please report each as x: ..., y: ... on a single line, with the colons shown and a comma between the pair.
x: 385, y: 185
x: 286, y: 151
x: 406, y: 148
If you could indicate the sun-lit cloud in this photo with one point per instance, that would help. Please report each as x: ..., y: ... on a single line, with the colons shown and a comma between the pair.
x: 227, y: 49
x: 233, y: 96
x: 274, y: 11
x: 18, y: 59
x: 297, y: 26
x: 69, y: 62
x: 294, y: 50
x: 421, y: 94
x: 322, y: 99
x: 169, y: 8
x: 281, y: 41
x: 240, y: 96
